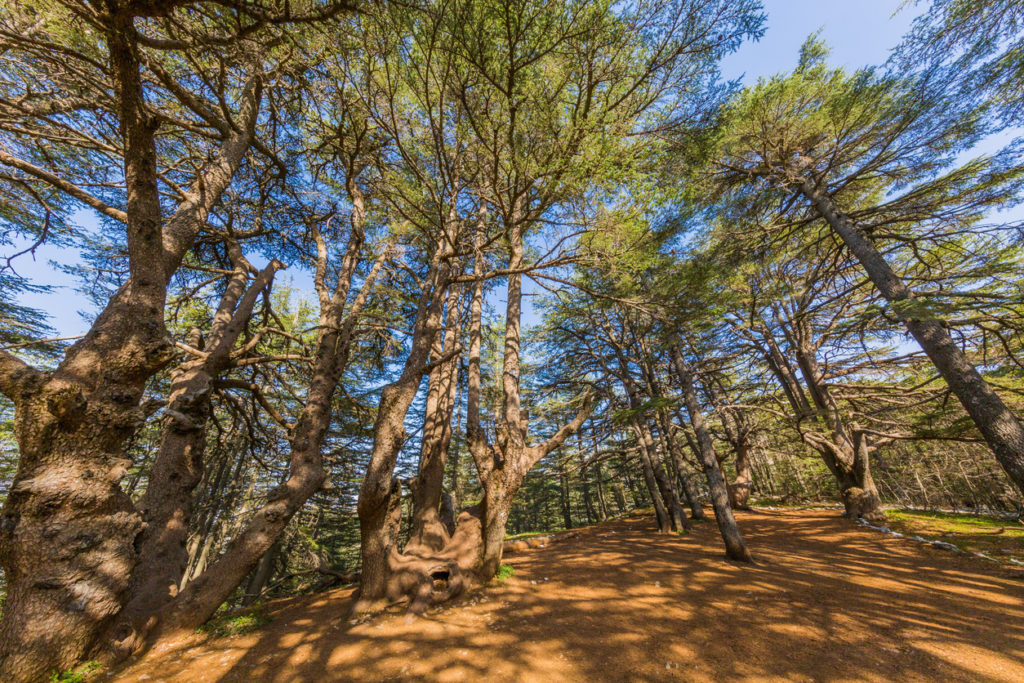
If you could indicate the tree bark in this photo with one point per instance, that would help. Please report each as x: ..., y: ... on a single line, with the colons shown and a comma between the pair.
x: 1001, y: 429
x: 427, y: 529
x: 178, y: 467
x: 376, y: 491
x: 67, y: 530
x: 735, y: 548
x: 685, y: 483
x: 201, y: 597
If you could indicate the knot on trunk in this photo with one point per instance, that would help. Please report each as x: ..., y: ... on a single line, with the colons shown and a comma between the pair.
x: 425, y: 581
x: 68, y: 405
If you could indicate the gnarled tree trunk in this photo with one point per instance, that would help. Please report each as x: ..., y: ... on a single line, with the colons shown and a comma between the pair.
x: 67, y: 531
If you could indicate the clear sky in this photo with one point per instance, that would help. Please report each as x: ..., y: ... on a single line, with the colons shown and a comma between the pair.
x: 860, y: 32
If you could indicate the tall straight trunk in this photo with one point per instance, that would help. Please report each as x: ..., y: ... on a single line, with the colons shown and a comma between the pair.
x: 660, y: 511
x: 666, y: 485
x: 735, y: 548
x: 563, y: 481
x: 1002, y: 430
x: 600, y: 476
x: 588, y: 503
x: 602, y: 505
x: 664, y: 492
x: 686, y: 484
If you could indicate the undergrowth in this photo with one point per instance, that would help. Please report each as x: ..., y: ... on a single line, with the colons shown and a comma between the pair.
x: 996, y: 536
x: 236, y: 624
x: 78, y: 674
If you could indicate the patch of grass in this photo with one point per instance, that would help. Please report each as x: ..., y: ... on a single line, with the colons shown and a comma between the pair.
x: 996, y: 536
x: 78, y: 674
x: 505, y: 571
x: 526, y: 534
x: 236, y: 624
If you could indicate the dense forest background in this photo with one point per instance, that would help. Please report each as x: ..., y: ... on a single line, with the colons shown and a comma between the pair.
x: 316, y: 225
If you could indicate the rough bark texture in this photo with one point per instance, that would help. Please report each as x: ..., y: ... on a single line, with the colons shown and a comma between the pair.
x: 198, y: 601
x: 375, y: 493
x: 473, y: 553
x: 845, y: 449
x: 661, y: 513
x: 178, y: 467
x: 686, y: 484
x: 68, y: 532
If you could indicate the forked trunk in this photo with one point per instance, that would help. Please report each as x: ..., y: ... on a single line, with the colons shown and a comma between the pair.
x: 428, y: 530
x: 376, y: 492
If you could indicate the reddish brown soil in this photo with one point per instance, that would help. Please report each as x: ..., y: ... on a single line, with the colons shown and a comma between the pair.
x: 827, y: 601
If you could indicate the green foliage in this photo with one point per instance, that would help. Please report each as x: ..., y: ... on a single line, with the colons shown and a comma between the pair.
x: 627, y: 415
x: 79, y: 674
x: 237, y: 624
x: 980, y: 42
x: 505, y: 571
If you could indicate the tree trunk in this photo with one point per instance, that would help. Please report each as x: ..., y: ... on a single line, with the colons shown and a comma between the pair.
x: 602, y: 506
x: 376, y: 491
x: 735, y: 548
x: 660, y: 511
x: 179, y: 464
x: 686, y: 484
x: 427, y: 530
x: 619, y: 493
x: 264, y: 570
x: 67, y: 530
x: 845, y: 449
x: 739, y: 491
x: 563, y: 481
x: 1003, y: 432
x: 689, y: 487
x: 200, y: 598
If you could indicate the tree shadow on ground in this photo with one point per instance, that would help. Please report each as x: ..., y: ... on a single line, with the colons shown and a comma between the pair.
x: 826, y: 601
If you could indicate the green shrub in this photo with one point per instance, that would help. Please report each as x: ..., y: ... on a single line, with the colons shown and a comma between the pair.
x: 505, y: 571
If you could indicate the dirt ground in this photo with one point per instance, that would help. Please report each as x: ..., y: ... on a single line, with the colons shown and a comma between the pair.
x: 827, y: 601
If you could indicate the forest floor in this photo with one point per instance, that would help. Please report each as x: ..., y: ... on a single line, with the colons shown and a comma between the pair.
x: 827, y: 601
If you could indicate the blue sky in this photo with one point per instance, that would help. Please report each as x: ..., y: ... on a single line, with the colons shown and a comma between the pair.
x: 859, y: 31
